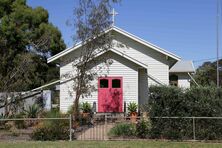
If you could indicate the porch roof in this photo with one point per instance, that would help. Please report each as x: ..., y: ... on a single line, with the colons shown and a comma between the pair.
x: 183, y: 66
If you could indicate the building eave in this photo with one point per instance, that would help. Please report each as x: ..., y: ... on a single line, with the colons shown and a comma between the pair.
x: 125, y: 33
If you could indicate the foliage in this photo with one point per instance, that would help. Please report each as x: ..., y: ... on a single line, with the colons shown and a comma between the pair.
x: 132, y: 107
x: 32, y: 111
x: 70, y: 109
x: 3, y: 116
x: 51, y: 130
x: 3, y: 123
x: 86, y: 107
x: 20, y: 124
x: 11, y: 102
x: 39, y: 100
x: 27, y: 38
x: 123, y: 129
x: 7, y: 125
x: 206, y: 74
x: 143, y: 129
x: 92, y: 19
x: 176, y: 102
x: 140, y: 130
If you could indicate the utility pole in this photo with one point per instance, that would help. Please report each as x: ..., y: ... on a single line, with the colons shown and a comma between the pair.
x: 218, y: 40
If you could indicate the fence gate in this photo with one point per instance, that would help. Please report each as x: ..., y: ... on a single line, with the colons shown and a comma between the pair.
x: 95, y: 128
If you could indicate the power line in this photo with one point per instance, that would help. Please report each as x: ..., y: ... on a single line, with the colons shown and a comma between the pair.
x: 208, y: 59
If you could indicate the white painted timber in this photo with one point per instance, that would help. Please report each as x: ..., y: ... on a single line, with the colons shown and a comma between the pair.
x: 126, y: 34
x: 120, y: 67
x: 143, y: 86
x: 183, y: 80
x: 158, y: 65
x: 130, y: 59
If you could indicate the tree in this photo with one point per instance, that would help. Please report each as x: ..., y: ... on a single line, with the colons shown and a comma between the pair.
x: 25, y: 33
x: 206, y: 74
x: 27, y: 39
x: 92, y: 20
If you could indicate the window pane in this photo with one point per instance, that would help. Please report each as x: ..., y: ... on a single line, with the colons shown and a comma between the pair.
x: 116, y: 83
x: 104, y: 83
x: 173, y: 78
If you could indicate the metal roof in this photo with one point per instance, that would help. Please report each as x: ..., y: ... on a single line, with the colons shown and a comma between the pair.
x: 183, y: 66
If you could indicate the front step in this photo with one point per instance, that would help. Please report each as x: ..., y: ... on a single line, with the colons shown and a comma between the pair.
x: 109, y: 117
x: 109, y: 114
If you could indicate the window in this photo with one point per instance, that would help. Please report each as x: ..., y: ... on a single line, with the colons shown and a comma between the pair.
x: 104, y: 83
x: 173, y: 80
x: 116, y: 83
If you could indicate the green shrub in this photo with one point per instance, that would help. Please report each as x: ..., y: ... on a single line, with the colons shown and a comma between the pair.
x: 32, y: 111
x: 3, y: 123
x: 7, y: 125
x: 123, y: 129
x: 51, y: 130
x: 143, y: 129
x: 20, y: 124
x: 195, y: 102
x: 86, y: 107
x: 132, y: 107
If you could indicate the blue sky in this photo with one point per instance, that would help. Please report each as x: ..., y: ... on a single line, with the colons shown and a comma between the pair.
x: 184, y: 27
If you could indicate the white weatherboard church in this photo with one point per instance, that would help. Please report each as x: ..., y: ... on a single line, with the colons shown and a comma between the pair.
x: 135, y: 66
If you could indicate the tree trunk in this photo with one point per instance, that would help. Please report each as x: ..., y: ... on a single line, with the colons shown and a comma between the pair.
x: 76, y: 106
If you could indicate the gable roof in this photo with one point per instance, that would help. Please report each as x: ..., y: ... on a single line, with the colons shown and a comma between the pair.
x: 129, y: 58
x: 146, y: 43
x: 124, y: 56
x: 125, y: 33
x: 183, y: 66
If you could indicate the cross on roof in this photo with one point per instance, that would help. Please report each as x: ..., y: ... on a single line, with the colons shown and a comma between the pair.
x: 113, y: 13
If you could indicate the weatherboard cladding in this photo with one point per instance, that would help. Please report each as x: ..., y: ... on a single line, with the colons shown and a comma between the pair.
x: 157, y: 63
x: 157, y: 66
x: 120, y: 67
x: 131, y: 57
x: 126, y: 34
x: 183, y: 80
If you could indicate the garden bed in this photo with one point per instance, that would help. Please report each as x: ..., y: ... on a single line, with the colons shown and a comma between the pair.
x: 16, y: 135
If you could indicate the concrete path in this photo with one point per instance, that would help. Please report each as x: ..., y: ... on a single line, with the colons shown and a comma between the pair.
x: 98, y: 132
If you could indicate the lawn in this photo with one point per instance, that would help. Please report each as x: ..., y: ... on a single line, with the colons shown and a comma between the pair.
x: 110, y: 144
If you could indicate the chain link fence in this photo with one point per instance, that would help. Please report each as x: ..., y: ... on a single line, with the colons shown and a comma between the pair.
x: 27, y: 128
x: 104, y: 127
x: 187, y: 128
x: 171, y: 128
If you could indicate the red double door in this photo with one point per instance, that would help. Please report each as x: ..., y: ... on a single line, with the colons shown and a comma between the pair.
x: 110, y: 94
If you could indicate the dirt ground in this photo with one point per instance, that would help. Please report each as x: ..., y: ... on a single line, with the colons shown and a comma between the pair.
x: 15, y: 135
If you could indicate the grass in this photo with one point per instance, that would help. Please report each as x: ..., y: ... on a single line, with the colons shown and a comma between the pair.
x: 110, y: 144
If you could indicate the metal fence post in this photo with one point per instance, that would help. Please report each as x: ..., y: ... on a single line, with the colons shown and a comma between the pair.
x: 70, y: 127
x: 194, y: 129
x: 105, y: 125
x: 105, y: 119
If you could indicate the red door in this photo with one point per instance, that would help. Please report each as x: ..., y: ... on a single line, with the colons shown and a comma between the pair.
x: 110, y: 96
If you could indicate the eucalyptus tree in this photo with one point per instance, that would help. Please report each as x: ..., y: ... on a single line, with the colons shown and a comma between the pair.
x: 92, y: 20
x: 27, y: 39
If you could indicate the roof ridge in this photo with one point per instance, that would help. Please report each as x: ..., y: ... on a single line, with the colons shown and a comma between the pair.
x: 121, y: 31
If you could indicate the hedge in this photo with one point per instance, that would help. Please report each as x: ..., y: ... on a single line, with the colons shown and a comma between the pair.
x: 195, y: 102
x: 51, y: 130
